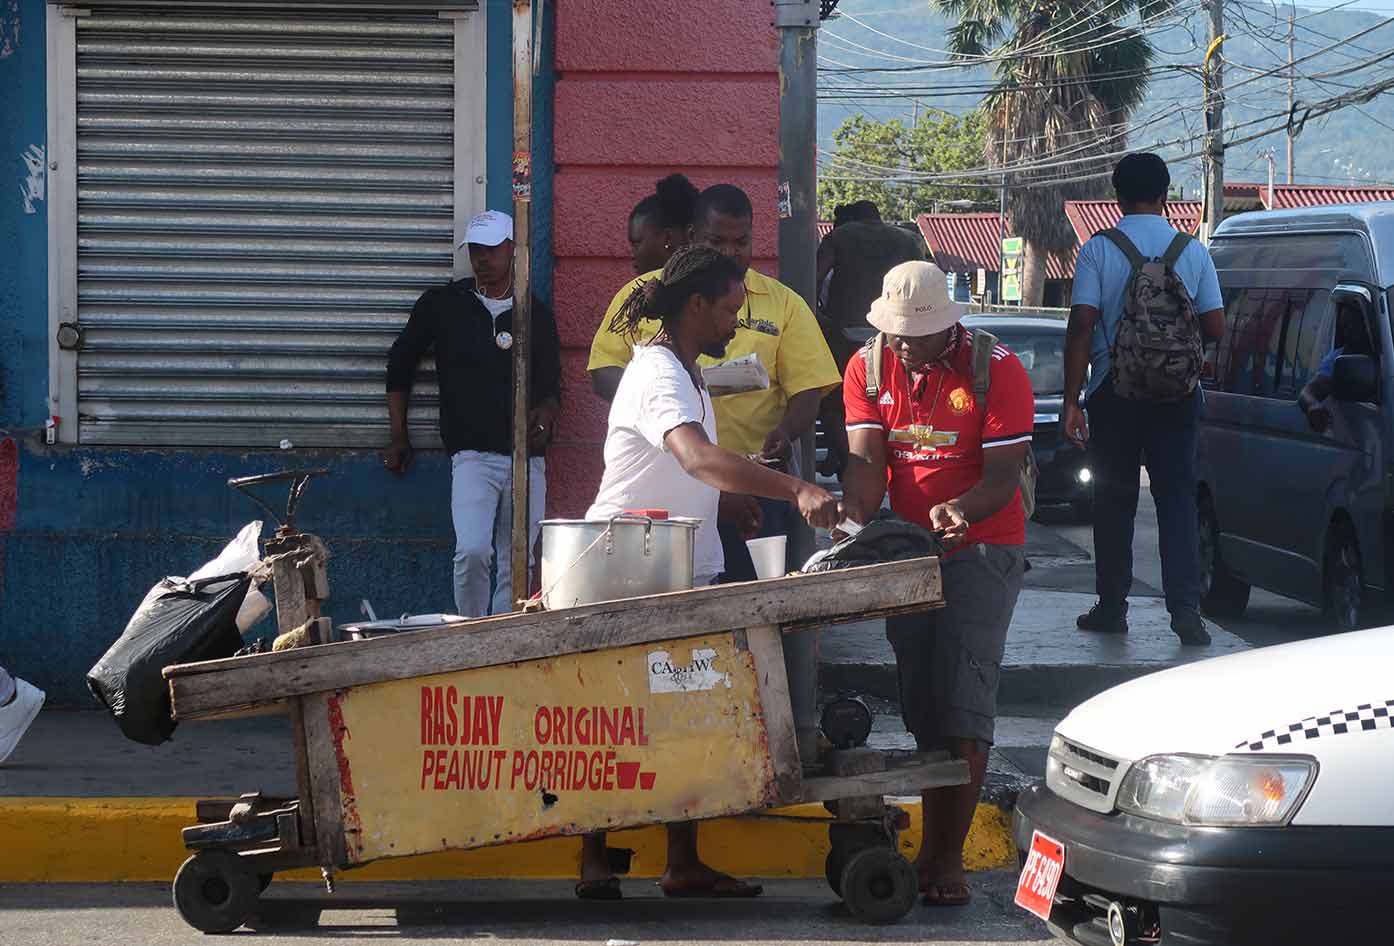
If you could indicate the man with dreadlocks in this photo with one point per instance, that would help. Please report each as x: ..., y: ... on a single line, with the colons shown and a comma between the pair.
x: 660, y: 454
x: 777, y: 327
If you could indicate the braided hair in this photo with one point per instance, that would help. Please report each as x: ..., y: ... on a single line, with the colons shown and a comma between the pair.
x: 671, y: 205
x: 692, y: 270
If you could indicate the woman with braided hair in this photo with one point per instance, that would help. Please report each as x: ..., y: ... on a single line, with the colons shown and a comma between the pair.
x: 660, y: 453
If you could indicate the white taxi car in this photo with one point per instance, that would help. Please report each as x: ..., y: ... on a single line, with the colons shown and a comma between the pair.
x: 1244, y: 799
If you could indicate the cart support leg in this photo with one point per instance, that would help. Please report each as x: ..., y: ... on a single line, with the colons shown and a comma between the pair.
x: 303, y: 789
x: 766, y: 643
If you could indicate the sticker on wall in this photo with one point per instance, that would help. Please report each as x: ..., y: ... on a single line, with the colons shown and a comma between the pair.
x: 786, y: 201
x: 9, y: 28
x: 522, y: 175
x: 667, y: 675
x: 31, y: 186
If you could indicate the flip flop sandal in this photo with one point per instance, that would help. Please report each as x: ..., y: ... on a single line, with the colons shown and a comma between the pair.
x: 734, y: 890
x: 607, y: 889
x: 947, y: 895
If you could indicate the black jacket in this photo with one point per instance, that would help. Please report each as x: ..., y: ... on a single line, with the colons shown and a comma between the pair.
x: 474, y: 374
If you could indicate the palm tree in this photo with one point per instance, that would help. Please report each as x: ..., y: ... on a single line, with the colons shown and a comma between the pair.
x: 1069, y: 75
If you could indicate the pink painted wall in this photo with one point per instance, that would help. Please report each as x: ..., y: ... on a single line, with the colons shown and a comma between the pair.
x: 645, y: 88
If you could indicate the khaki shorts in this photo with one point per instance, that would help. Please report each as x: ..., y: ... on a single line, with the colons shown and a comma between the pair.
x: 949, y: 660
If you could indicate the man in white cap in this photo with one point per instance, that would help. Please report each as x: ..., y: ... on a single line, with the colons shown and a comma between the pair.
x: 468, y: 325
x: 949, y: 432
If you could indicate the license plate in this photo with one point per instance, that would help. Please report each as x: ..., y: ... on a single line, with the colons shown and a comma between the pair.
x: 1035, y: 891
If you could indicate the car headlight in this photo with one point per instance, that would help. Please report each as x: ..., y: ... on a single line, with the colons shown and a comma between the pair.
x: 1229, y: 791
x: 1085, y: 475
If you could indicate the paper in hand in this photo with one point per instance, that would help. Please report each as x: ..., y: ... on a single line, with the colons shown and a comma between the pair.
x: 736, y: 376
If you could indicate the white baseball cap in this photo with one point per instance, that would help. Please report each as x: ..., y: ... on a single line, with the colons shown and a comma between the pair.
x: 489, y: 228
x: 914, y: 302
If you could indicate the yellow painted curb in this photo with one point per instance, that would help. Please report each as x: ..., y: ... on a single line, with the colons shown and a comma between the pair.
x: 103, y: 840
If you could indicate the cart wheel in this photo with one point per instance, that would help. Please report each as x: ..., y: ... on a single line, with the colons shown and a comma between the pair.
x: 832, y: 870
x: 878, y: 885
x: 215, y: 891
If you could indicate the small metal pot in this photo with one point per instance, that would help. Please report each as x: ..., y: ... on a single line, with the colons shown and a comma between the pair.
x: 590, y: 560
x: 363, y: 630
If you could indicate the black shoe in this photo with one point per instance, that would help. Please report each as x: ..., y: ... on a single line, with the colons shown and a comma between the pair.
x: 1101, y: 620
x: 1189, y: 626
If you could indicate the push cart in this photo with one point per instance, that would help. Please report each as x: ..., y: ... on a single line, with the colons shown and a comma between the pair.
x: 645, y: 711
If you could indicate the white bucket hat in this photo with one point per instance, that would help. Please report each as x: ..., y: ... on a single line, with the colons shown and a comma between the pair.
x: 914, y: 302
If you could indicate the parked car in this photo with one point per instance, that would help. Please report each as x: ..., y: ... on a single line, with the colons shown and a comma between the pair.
x: 1285, y: 506
x: 1039, y: 341
x: 1247, y: 799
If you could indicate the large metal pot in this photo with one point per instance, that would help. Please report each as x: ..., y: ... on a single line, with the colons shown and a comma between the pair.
x: 590, y: 560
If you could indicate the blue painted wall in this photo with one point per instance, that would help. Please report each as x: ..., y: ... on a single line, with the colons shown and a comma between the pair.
x: 85, y: 532
x: 23, y: 236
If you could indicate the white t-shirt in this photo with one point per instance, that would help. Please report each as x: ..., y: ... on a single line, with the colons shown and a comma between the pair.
x: 655, y: 396
x: 496, y: 307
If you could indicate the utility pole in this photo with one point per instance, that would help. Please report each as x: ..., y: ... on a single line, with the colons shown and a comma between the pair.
x: 797, y: 22
x: 1002, y: 230
x: 1002, y: 208
x: 1271, y: 156
x: 1292, y: 100
x: 522, y: 289
x: 1214, y: 124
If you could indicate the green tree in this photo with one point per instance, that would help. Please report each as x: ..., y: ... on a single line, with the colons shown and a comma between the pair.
x: 869, y: 154
x: 1069, y: 74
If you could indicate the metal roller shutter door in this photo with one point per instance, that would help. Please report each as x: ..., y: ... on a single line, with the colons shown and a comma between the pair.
x: 261, y: 196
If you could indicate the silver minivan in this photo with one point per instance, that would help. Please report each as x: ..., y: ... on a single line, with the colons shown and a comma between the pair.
x: 1288, y: 503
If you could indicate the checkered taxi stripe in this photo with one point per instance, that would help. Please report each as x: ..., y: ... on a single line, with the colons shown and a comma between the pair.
x: 1363, y: 718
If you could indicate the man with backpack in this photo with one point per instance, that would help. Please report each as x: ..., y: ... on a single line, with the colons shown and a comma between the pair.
x: 1145, y: 300
x: 944, y: 416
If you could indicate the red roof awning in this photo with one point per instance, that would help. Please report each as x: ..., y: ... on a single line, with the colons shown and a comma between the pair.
x: 966, y: 243
x: 1088, y: 217
x: 1286, y: 196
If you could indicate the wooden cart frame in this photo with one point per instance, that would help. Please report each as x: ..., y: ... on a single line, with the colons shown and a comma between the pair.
x: 239, y: 844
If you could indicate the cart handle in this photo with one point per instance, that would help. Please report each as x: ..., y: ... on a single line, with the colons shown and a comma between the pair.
x: 299, y: 479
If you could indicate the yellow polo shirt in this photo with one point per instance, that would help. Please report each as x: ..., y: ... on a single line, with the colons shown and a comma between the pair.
x: 777, y: 325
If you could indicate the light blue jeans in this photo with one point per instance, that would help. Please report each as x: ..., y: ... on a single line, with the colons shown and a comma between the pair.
x: 481, y: 508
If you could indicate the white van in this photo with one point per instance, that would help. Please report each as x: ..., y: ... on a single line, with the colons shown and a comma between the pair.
x: 1244, y: 799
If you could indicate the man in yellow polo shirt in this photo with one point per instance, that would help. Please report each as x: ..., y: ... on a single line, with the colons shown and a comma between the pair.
x: 778, y: 327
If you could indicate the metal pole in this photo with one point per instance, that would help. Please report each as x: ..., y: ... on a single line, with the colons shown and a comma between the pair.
x: 798, y: 248
x: 1292, y: 95
x: 1272, y: 162
x: 522, y: 294
x: 1002, y: 230
x: 1214, y: 123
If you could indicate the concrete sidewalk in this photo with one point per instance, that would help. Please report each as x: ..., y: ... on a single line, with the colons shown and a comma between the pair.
x: 1048, y: 661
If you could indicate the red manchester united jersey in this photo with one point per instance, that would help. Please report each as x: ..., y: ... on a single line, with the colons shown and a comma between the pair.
x: 936, y: 431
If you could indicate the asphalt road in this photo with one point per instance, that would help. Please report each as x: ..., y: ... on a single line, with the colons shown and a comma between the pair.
x: 536, y: 913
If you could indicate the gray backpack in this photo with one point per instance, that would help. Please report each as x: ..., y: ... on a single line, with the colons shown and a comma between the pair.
x: 983, y: 344
x: 1157, y: 353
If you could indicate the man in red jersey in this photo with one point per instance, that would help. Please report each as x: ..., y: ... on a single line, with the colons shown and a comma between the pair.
x: 948, y: 433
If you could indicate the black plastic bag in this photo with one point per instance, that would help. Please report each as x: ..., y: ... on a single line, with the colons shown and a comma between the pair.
x: 178, y: 622
x: 886, y: 538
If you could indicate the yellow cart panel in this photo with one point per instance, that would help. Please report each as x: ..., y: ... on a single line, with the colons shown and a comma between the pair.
x: 657, y: 732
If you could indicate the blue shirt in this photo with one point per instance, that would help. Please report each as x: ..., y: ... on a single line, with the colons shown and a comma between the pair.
x: 1101, y: 277
x: 1328, y: 364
